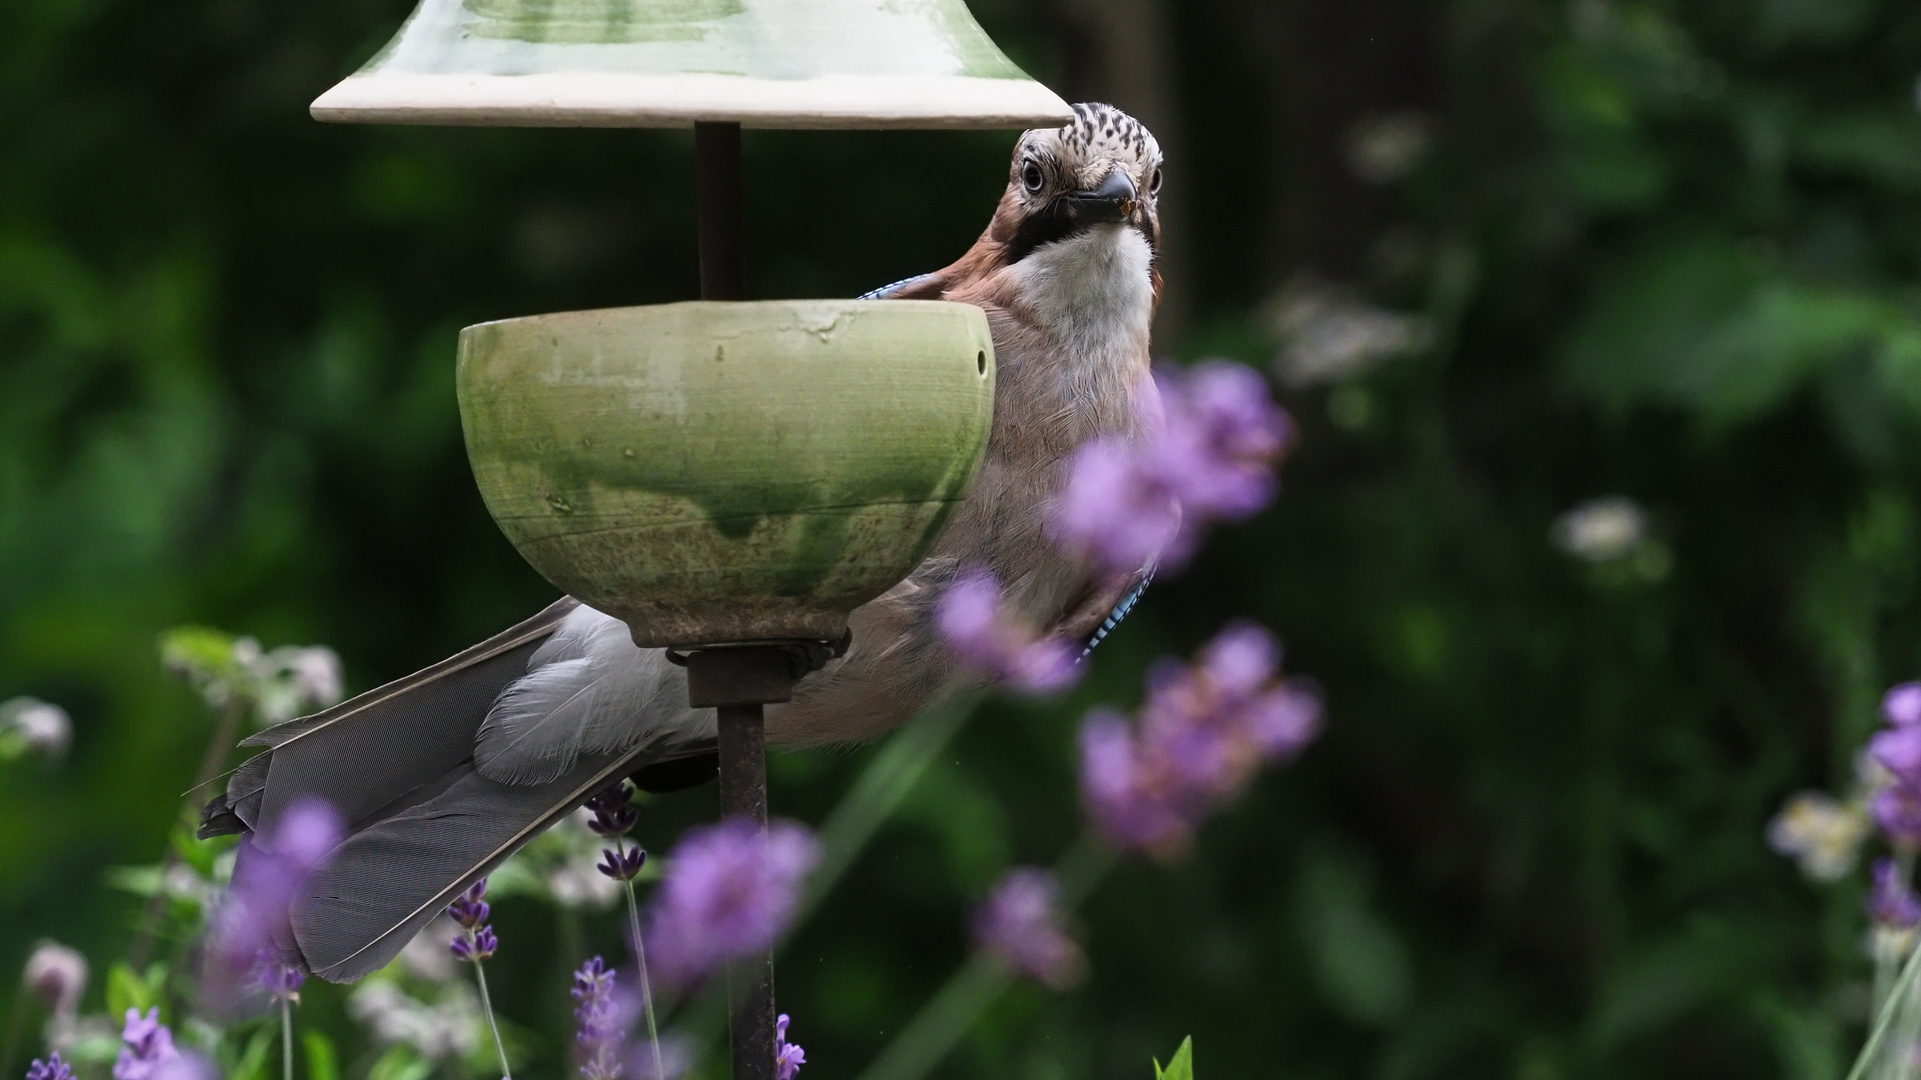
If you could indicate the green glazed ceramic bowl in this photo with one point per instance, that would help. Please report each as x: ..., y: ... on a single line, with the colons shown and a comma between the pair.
x: 718, y: 472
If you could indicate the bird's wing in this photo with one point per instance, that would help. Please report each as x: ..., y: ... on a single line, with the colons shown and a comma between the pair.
x: 588, y: 690
x: 1141, y: 581
x: 436, y: 707
x: 391, y: 877
x: 1100, y: 608
x: 918, y: 287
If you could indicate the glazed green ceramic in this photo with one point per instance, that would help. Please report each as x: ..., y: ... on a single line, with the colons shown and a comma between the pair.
x: 715, y: 472
x: 764, y: 63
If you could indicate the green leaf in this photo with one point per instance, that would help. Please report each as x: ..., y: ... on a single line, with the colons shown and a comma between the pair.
x: 252, y: 1063
x: 322, y: 1062
x: 129, y: 990
x: 1663, y: 983
x: 197, y: 652
x: 138, y: 880
x: 1182, y: 1067
x: 1730, y: 332
x: 1362, y: 965
x: 1882, y: 147
x: 400, y: 1063
x: 196, y: 853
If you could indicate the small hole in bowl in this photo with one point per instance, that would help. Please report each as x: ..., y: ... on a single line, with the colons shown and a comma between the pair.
x: 980, y: 361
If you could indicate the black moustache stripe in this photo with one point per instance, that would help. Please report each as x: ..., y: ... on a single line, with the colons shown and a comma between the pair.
x: 1055, y: 222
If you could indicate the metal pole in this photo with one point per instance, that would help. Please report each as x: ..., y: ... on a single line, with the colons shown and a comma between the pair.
x: 728, y: 678
x: 743, y: 793
x: 717, y: 178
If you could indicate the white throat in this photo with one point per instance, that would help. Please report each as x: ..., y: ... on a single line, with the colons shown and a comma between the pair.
x: 1092, y: 292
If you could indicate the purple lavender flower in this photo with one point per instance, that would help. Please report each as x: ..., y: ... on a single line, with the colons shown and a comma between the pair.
x: 1902, y: 705
x: 1891, y: 902
x: 676, y: 1059
x: 476, y: 941
x: 1116, y: 512
x: 1283, y: 721
x: 788, y: 1057
x: 281, y: 980
x: 51, y: 1069
x: 470, y: 909
x: 269, y: 873
x: 1127, y: 504
x: 993, y: 641
x: 1898, y: 750
x: 1203, y: 733
x: 1222, y: 436
x: 1897, y: 811
x: 729, y: 891
x: 474, y: 946
x: 613, y: 817
x: 601, y: 1018
x: 1120, y: 790
x: 146, y: 1047
x: 622, y: 866
x: 1021, y: 924
x: 613, y: 810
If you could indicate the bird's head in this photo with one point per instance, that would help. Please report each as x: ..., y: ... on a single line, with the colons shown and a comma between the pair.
x: 1101, y: 170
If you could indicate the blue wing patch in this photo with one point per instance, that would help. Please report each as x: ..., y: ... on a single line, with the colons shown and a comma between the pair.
x: 1120, y: 612
x: 886, y: 292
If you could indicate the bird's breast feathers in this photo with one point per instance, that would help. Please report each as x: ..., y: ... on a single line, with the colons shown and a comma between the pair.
x: 1092, y: 293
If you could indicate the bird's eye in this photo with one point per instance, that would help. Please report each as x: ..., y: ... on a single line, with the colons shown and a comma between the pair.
x: 1031, y: 177
x: 1154, y: 182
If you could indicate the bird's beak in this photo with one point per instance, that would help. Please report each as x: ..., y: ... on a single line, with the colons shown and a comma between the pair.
x: 1113, y: 201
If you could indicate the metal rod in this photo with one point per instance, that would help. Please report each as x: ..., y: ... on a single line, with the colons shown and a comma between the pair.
x: 717, y: 178
x: 743, y: 762
x: 741, y: 726
x: 743, y: 793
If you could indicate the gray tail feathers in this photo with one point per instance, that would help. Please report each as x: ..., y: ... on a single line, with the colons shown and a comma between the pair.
x: 394, y: 874
x: 397, y: 763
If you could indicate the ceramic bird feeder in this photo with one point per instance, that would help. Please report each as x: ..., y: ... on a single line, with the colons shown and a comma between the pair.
x: 670, y: 63
x: 731, y: 479
x: 715, y: 473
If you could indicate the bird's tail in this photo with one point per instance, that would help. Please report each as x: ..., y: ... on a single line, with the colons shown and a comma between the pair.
x: 397, y: 763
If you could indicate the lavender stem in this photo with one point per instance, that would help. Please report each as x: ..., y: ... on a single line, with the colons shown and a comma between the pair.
x: 286, y: 1039
x: 640, y: 956
x: 487, y: 1006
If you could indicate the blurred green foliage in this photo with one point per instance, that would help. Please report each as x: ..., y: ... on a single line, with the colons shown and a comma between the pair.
x: 1180, y: 1066
x: 1666, y: 250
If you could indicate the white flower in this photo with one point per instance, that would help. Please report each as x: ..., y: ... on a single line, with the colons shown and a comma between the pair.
x: 449, y: 1028
x: 1870, y: 776
x: 183, y: 883
x: 578, y: 883
x: 34, y: 726
x: 1328, y: 335
x: 1889, y: 944
x: 292, y: 680
x: 81, y: 1037
x: 1601, y: 530
x: 1822, y: 835
x: 1383, y: 149
x: 430, y: 954
x: 57, y: 976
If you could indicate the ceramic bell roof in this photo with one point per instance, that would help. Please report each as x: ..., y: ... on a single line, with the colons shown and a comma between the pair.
x: 669, y: 63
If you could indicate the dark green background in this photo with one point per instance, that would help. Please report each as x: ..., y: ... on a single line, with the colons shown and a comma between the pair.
x: 1682, y: 242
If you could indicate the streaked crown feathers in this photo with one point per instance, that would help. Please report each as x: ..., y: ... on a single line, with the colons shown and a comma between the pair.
x: 1081, y: 154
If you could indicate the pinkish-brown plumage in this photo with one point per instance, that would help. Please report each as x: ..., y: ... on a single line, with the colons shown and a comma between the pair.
x: 448, y: 771
x: 1070, y: 322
